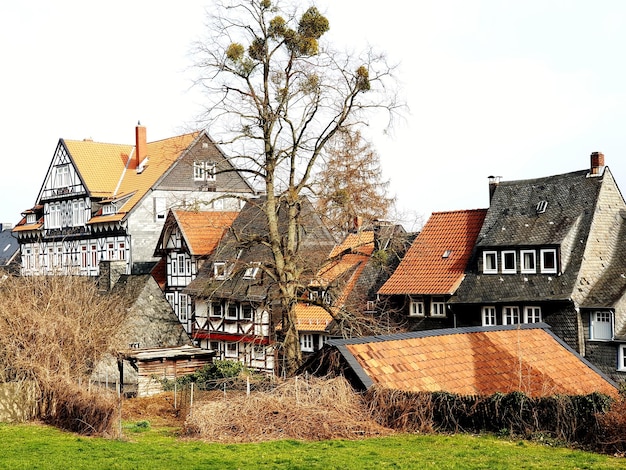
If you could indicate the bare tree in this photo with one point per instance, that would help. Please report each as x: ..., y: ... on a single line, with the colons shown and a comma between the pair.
x: 276, y: 97
x: 350, y: 186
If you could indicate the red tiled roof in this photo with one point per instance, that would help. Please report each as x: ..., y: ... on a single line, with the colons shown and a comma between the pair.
x: 436, y: 261
x: 312, y: 317
x: 479, y: 361
x: 204, y: 230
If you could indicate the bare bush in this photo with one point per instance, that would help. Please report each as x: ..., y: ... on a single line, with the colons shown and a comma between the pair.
x: 312, y: 409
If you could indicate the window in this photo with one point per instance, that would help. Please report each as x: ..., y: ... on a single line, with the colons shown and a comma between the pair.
x: 232, y: 311
x: 508, y: 262
x: 170, y: 298
x: 216, y: 309
x: 548, y: 261
x: 528, y: 261
x: 230, y: 350
x: 621, y: 357
x: 62, y: 176
x: 198, y: 171
x: 416, y: 309
x: 532, y: 314
x: 109, y: 209
x: 246, y: 312
x: 437, y: 307
x: 489, y: 316
x: 204, y: 171
x: 78, y: 213
x: 54, y: 216
x: 84, y: 256
x: 31, y: 218
x: 183, y: 307
x: 601, y: 326
x: 214, y: 346
x: 258, y: 352
x: 181, y: 264
x: 510, y: 315
x: 313, y: 295
x: 306, y: 343
x: 251, y: 271
x: 218, y: 204
x: 490, y: 262
x: 219, y: 270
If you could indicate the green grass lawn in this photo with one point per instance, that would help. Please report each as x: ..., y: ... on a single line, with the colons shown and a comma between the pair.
x: 29, y: 446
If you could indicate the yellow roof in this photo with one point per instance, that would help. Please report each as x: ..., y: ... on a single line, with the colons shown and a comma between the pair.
x: 312, y: 317
x: 110, y: 170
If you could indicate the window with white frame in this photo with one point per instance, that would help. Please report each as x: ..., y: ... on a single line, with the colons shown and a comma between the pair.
x: 204, y: 171
x: 510, y: 315
x: 251, y: 271
x: 219, y: 270
x: 437, y: 307
x: 231, y: 349
x: 601, y: 327
x: 198, y: 171
x: 416, y: 308
x: 621, y: 357
x: 509, y: 265
x: 548, y: 261
x: 170, y: 298
x: 258, y: 352
x: 54, y: 216
x: 232, y: 310
x: 216, y: 309
x: 181, y: 264
x: 489, y: 316
x: 490, y: 262
x: 183, y: 307
x: 31, y: 218
x: 62, y: 176
x: 78, y: 213
x: 214, y: 346
x: 246, y: 312
x: 532, y: 314
x: 306, y: 342
x: 109, y: 209
x: 528, y: 261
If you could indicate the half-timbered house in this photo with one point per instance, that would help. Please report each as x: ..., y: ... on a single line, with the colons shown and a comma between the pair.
x: 109, y: 201
x: 187, y: 239
x: 234, y: 297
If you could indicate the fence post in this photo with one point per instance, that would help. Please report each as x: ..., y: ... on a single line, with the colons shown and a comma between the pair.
x: 224, y: 389
x: 248, y: 386
x: 191, y: 401
x: 175, y: 407
x: 296, y: 383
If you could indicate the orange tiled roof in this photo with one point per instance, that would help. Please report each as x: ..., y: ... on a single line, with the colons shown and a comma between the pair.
x: 425, y: 269
x: 479, y: 360
x: 203, y: 230
x: 312, y: 317
x: 110, y: 170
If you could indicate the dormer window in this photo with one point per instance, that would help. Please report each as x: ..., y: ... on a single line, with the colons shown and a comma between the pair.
x: 548, y: 261
x: 508, y: 262
x: 528, y: 260
x: 251, y: 271
x: 109, y: 209
x: 31, y: 218
x: 219, y: 270
x: 541, y: 207
x: 490, y: 262
x: 204, y: 171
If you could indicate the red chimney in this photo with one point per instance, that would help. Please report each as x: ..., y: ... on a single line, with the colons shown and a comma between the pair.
x: 140, y: 144
x: 597, y: 163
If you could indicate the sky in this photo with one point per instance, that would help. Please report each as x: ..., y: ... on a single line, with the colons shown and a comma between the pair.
x: 493, y: 87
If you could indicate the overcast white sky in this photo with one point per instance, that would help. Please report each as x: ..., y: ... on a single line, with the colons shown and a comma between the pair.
x: 495, y: 87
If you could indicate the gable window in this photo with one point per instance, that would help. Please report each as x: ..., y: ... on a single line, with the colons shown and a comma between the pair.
x: 601, y: 327
x: 198, y: 171
x: 548, y: 261
x: 490, y: 262
x: 204, y: 171
x: 510, y: 315
x: 528, y: 260
x: 306, y: 343
x: 62, y: 176
x: 532, y: 314
x: 219, y: 270
x: 508, y: 262
x: 489, y: 316
x: 416, y: 309
x: 437, y: 307
x: 621, y: 357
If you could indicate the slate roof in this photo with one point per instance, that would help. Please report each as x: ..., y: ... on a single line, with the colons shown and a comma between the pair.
x: 436, y: 261
x: 243, y: 245
x: 9, y: 247
x: 474, y: 361
x: 513, y: 221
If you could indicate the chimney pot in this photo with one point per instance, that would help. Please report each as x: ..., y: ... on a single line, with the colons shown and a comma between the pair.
x: 597, y: 163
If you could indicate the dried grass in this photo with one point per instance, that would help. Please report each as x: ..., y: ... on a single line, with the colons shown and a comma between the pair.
x: 312, y: 409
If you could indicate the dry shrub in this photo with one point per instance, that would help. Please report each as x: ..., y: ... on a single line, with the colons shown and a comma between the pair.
x: 55, y: 327
x: 311, y: 409
x: 71, y: 407
x: 611, y: 435
x: 400, y: 410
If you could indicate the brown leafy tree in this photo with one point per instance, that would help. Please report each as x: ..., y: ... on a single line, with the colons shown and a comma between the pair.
x: 276, y: 96
x: 350, y: 186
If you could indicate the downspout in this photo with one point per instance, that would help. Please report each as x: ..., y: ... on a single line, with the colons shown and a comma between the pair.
x: 581, y: 332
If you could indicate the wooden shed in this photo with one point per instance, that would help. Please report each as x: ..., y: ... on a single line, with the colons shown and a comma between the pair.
x: 154, y: 364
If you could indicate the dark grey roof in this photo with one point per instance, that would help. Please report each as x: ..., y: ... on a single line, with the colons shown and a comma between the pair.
x: 515, y: 220
x: 9, y: 247
x: 246, y: 243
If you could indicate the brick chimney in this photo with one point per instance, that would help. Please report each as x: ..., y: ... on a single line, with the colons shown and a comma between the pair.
x: 140, y: 144
x: 494, y: 181
x: 597, y: 163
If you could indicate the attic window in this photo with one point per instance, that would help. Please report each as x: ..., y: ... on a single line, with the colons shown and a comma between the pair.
x: 251, y: 271
x: 31, y: 218
x: 219, y: 270
x: 108, y: 209
x: 541, y: 207
x: 446, y: 254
